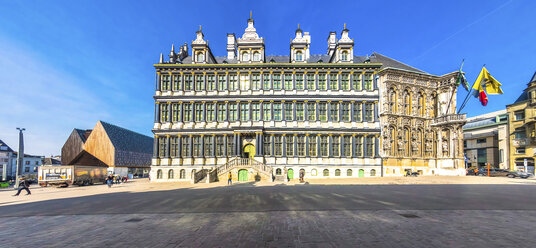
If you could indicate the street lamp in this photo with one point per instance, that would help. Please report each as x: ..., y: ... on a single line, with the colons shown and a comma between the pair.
x: 20, y: 156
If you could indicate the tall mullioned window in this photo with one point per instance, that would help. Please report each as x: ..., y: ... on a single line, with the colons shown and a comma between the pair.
x: 322, y: 82
x: 187, y: 112
x: 369, y: 112
x: 333, y: 82
x: 220, y: 146
x: 324, y: 146
x: 177, y: 84
x: 210, y: 112
x: 266, y: 82
x: 208, y: 145
x: 188, y: 82
x: 175, y: 112
x: 197, y: 146
x: 345, y: 82
x: 322, y: 111
x: 358, y: 146
x: 310, y: 81
x: 185, y: 146
x: 288, y: 111
x: 277, y: 81
x: 356, y: 82
x: 370, y: 146
x: 334, y: 109
x: 357, y: 111
x: 345, y: 111
x: 164, y: 112
x: 299, y: 81
x: 162, y: 147
x: 174, y: 146
x: 244, y: 82
x: 335, y: 146
x: 289, y: 146
x: 255, y: 111
x: 301, y: 146
x: 199, y: 82
x: 299, y: 111
x: 311, y: 111
x: 266, y: 111
x: 312, y: 146
x: 230, y: 145
x: 367, y: 81
x: 244, y: 112
x: 233, y: 82
x: 288, y: 82
x: 233, y: 112
x: 277, y: 111
x: 198, y: 112
x: 347, y: 149
x: 222, y: 82
x: 278, y: 143
x: 256, y: 81
x: 222, y: 112
x: 267, y: 145
x: 211, y: 82
x: 164, y: 85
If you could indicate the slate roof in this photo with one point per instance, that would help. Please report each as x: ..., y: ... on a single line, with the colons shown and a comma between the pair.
x: 319, y: 58
x: 523, y: 97
x: 533, y: 78
x: 126, y: 140
x: 478, y: 123
x: 2, y: 143
x: 84, y: 134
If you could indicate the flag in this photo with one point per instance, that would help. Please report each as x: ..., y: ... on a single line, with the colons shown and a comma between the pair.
x: 461, y: 79
x: 485, y: 84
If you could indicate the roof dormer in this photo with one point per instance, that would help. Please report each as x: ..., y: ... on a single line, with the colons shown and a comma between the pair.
x: 344, y: 52
x: 299, y: 47
x: 201, y: 53
x: 250, y: 47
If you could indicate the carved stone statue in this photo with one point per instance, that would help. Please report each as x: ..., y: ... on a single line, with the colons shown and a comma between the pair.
x: 445, y: 147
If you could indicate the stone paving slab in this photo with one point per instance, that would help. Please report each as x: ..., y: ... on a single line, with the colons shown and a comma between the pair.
x: 377, y: 228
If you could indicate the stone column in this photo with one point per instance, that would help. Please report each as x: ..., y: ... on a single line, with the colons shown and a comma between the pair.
x: 261, y: 110
x: 307, y: 137
x: 363, y: 105
x: 170, y: 107
x: 293, y: 110
x: 181, y: 112
x: 295, y: 145
x: 305, y: 112
x: 352, y: 109
x: 353, y: 146
x: 155, y: 146
x: 167, y: 153
x: 341, y: 147
x: 156, y: 112
x: 204, y: 111
x: 329, y: 110
x: 340, y: 111
x: 261, y: 143
x: 293, y: 80
x: 330, y: 146
x: 272, y: 147
x: 157, y: 83
x: 179, y: 146
x: 339, y: 81
x: 213, y: 145
x: 375, y: 111
x: 191, y: 145
x: 364, y: 153
x: 317, y: 108
x: 318, y: 151
x: 376, y: 147
x: 225, y: 154
x: 284, y: 144
x: 283, y: 115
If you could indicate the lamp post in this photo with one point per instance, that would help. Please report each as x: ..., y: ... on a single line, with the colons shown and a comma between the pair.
x: 20, y: 156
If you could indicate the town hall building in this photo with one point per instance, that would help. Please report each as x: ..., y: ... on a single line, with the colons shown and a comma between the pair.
x: 264, y: 117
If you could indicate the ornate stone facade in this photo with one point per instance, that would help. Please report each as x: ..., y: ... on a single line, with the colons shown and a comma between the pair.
x: 420, y: 130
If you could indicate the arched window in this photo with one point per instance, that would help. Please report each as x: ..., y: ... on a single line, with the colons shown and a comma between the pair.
x: 349, y: 173
x: 278, y: 171
x: 392, y: 101
x: 344, y: 56
x: 200, y: 57
x: 159, y: 174
x: 256, y: 56
x: 421, y: 104
x: 313, y: 172
x: 299, y: 56
x: 326, y: 172
x: 337, y: 173
x: 372, y: 172
x: 170, y: 174
x: 407, y: 103
x: 183, y: 174
x: 245, y: 56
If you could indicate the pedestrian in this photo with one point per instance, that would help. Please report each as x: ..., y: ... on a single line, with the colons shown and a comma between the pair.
x: 109, y: 181
x: 126, y: 179
x: 117, y: 179
x: 230, y: 180
x: 24, y: 184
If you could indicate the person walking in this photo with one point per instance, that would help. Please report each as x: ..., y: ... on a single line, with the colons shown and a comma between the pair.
x: 109, y: 181
x: 230, y: 180
x: 24, y: 184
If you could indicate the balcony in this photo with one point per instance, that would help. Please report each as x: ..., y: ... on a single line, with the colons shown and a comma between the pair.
x: 524, y: 141
x: 449, y: 119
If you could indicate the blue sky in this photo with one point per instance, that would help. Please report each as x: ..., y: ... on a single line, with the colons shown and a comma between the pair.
x: 67, y: 64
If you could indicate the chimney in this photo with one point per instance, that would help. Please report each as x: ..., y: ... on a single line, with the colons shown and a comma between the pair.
x: 332, y: 43
x: 231, y: 46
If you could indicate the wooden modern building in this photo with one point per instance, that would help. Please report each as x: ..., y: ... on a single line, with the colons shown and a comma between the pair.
x: 121, y: 150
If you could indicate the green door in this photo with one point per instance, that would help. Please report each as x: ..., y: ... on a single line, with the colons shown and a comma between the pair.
x: 361, y: 173
x: 290, y: 174
x: 242, y: 175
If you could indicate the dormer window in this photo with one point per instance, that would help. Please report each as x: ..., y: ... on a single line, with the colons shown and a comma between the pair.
x: 299, y: 56
x: 256, y: 56
x: 245, y: 56
x: 200, y: 57
x: 344, y: 56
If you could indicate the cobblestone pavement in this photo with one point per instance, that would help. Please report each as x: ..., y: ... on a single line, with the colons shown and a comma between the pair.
x: 142, y: 214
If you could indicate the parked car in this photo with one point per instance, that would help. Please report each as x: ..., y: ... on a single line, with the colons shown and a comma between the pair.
x: 514, y: 174
x: 493, y: 172
x: 473, y: 171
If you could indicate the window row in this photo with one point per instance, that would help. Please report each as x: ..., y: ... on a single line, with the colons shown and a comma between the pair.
x: 342, y: 146
x: 266, y: 111
x: 267, y: 81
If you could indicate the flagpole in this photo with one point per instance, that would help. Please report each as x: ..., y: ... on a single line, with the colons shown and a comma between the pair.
x: 468, y: 94
x: 452, y: 96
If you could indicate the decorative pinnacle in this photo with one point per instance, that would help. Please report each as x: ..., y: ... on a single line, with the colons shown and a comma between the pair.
x: 199, y: 27
x: 345, y: 26
x: 298, y: 25
x: 250, y: 14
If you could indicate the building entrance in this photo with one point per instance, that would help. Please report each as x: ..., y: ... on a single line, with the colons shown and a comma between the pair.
x: 242, y: 175
x: 290, y: 174
x: 249, y: 151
